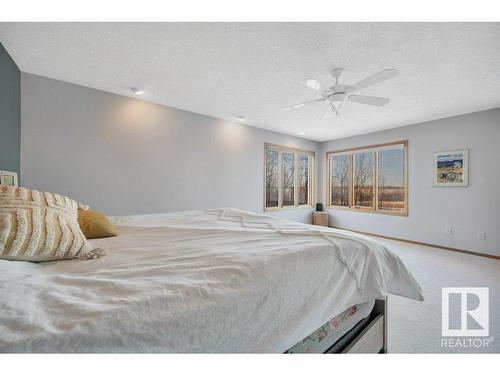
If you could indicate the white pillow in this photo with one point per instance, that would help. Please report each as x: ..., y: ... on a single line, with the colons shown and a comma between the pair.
x: 38, y: 226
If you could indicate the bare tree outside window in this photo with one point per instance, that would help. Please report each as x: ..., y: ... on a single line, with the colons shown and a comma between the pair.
x: 363, y: 179
x: 272, y: 178
x: 288, y: 179
x: 373, y: 178
x: 339, y: 180
x: 303, y: 179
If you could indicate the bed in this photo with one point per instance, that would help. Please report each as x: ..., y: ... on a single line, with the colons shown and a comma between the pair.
x: 223, y: 280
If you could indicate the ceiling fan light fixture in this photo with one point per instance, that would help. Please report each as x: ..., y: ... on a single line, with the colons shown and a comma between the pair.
x: 336, y: 106
x: 337, y: 100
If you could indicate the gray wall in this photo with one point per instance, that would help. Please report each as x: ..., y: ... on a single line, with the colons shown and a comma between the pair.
x: 466, y: 209
x: 10, y: 113
x: 126, y: 156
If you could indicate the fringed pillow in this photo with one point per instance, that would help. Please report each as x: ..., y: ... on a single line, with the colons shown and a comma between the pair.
x: 36, y: 226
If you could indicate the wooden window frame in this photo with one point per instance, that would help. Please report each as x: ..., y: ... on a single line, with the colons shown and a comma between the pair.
x: 374, y: 149
x: 312, y: 177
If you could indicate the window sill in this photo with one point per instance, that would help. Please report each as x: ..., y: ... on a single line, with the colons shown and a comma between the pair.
x: 368, y: 210
x: 286, y: 208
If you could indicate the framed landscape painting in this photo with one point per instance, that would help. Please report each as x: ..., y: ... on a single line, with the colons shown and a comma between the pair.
x: 451, y: 168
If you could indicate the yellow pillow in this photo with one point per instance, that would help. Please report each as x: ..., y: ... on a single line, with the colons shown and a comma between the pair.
x: 95, y: 225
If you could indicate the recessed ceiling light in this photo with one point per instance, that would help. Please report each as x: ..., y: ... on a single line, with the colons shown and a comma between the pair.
x: 287, y: 108
x: 298, y: 105
x: 312, y: 83
x: 240, y: 118
x: 301, y: 133
x: 137, y: 91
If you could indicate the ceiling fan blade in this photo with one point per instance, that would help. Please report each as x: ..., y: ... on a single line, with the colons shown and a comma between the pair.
x: 330, y: 111
x: 370, y: 100
x: 303, y: 104
x: 376, y: 78
x: 312, y: 83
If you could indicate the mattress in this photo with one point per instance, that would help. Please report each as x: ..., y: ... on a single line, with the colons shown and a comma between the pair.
x: 325, y: 336
x: 213, y: 281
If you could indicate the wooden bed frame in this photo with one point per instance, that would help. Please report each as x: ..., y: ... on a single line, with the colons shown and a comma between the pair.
x: 373, y: 335
x: 367, y: 336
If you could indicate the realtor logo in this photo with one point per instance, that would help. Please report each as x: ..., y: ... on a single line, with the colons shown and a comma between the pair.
x: 465, y: 312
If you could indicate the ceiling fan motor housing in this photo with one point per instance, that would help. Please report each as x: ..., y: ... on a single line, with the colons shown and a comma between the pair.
x: 337, y: 97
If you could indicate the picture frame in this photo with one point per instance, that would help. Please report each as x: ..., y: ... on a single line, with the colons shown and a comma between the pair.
x: 451, y: 168
x: 8, y: 178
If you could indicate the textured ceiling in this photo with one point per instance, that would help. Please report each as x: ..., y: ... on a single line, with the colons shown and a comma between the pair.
x: 253, y: 70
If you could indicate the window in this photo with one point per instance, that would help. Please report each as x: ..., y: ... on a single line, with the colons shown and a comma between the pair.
x: 272, y: 178
x: 391, y: 180
x: 371, y: 179
x: 288, y: 177
x: 303, y: 183
x: 363, y: 179
x: 339, y: 177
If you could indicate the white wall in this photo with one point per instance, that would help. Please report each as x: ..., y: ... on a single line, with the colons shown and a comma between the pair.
x: 126, y: 156
x: 466, y: 209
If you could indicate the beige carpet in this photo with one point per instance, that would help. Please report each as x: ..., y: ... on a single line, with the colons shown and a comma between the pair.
x: 415, y: 327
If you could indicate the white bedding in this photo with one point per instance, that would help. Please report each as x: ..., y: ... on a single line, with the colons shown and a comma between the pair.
x: 196, y: 281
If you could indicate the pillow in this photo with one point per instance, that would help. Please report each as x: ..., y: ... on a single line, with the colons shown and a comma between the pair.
x: 38, y: 226
x: 95, y: 225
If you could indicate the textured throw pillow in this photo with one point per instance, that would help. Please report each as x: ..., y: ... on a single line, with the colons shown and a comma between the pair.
x: 38, y: 226
x: 95, y: 225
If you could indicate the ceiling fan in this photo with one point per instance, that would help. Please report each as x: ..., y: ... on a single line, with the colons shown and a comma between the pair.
x: 335, y: 96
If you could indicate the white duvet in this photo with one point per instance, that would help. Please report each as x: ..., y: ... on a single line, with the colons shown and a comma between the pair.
x: 198, y: 281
